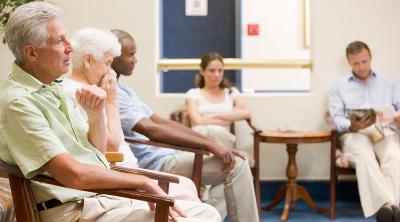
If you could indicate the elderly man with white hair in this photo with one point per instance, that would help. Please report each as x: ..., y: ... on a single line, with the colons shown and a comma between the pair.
x: 41, y: 132
x: 94, y: 50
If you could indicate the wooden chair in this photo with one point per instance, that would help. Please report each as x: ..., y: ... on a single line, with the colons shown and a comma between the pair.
x: 25, y: 204
x: 198, y: 157
x: 182, y: 116
x: 162, y: 178
x: 335, y: 171
x: 7, y: 213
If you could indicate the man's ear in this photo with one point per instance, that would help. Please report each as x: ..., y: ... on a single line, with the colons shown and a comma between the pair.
x: 30, y: 53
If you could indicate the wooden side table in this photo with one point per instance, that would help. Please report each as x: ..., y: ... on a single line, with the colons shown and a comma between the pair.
x: 291, y: 192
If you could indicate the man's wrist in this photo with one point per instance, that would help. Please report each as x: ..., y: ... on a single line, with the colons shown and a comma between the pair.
x: 210, y: 146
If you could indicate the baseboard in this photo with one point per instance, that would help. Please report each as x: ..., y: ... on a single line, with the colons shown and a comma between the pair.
x: 282, y: 178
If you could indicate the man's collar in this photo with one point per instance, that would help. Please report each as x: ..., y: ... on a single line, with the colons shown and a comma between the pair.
x: 352, y: 77
x: 27, y: 80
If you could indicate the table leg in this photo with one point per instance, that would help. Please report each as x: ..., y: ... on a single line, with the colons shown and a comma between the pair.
x: 288, y: 203
x: 291, y: 173
x: 277, y: 198
x: 291, y: 170
x: 288, y: 191
x: 291, y: 192
x: 304, y: 195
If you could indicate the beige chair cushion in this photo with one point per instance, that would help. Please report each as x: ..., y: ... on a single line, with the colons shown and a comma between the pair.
x: 341, y: 160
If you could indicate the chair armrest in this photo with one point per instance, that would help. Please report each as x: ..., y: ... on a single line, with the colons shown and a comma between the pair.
x: 9, y: 169
x: 198, y: 158
x: 151, y: 174
x: 164, y: 145
x: 133, y: 194
x: 128, y: 193
x: 254, y: 128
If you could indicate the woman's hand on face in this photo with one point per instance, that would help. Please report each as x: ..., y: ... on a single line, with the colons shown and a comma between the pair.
x: 109, y: 85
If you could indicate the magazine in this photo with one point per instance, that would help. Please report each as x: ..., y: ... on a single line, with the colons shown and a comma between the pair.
x: 375, y: 131
x: 358, y: 114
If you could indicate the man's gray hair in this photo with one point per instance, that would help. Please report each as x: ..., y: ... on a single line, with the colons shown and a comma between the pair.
x: 28, y: 25
x: 94, y: 42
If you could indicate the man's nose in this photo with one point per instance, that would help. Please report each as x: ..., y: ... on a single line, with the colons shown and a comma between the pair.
x: 68, y: 46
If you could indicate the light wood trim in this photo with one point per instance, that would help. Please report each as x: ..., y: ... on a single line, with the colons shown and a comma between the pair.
x: 306, y: 16
x: 114, y: 157
x: 234, y: 64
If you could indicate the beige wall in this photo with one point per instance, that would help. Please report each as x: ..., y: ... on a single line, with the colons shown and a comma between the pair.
x: 334, y: 24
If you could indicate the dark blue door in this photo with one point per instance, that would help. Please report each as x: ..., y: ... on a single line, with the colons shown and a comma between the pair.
x: 191, y: 36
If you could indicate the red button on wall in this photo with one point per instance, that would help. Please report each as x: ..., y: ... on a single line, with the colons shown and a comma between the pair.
x: 252, y: 29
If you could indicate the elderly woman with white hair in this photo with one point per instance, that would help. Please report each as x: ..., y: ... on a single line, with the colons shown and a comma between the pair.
x: 94, y: 50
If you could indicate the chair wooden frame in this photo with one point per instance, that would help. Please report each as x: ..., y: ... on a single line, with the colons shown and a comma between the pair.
x: 180, y: 115
x: 25, y: 204
x: 335, y: 171
x: 198, y: 157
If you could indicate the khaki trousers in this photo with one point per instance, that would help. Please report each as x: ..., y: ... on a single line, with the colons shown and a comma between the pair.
x: 105, y: 208
x: 377, y: 168
x: 218, y: 134
x: 214, y: 194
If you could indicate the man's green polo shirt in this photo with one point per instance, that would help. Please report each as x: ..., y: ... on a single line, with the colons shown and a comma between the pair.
x: 33, y: 130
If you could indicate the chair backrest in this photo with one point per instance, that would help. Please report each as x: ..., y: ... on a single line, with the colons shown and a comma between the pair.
x: 24, y: 201
x: 181, y: 116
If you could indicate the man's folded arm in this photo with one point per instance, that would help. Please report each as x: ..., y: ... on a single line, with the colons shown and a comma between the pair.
x: 74, y: 174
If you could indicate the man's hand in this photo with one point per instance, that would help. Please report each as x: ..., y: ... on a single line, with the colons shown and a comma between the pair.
x: 366, y: 121
x: 227, y: 155
x: 244, y: 156
x: 92, y: 99
x: 152, y: 188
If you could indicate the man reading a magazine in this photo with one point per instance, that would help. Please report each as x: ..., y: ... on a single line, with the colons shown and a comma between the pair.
x: 376, y: 159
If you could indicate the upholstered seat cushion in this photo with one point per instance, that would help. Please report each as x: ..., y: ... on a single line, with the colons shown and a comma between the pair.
x: 341, y: 160
x: 6, y: 204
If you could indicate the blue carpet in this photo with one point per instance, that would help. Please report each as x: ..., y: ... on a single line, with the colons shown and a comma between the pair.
x: 346, y: 211
x: 348, y: 208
